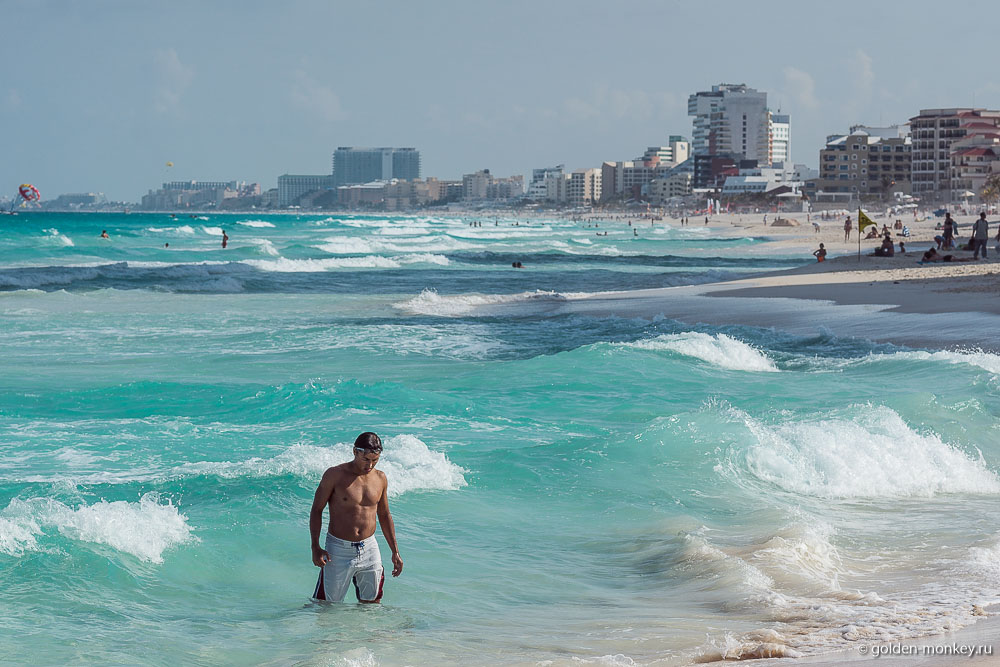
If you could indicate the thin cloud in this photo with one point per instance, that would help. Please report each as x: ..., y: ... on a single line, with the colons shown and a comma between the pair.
x: 801, y: 86
x: 313, y: 97
x: 173, y: 78
x: 865, y: 75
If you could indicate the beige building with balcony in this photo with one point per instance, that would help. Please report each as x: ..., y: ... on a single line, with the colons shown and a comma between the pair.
x: 933, y: 132
x: 868, y: 162
x: 584, y: 187
x: 661, y: 190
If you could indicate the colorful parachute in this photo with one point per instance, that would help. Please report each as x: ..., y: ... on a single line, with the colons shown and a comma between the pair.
x: 29, y: 193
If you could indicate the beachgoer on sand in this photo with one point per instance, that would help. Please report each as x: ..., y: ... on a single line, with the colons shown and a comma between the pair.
x: 949, y: 232
x: 357, y: 495
x: 847, y: 229
x: 932, y: 255
x: 980, y: 235
x: 887, y: 249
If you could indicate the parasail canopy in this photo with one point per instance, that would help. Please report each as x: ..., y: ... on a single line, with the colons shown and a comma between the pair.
x: 29, y: 192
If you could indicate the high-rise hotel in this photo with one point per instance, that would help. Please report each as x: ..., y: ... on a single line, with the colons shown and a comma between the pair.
x: 352, y: 166
x: 732, y: 123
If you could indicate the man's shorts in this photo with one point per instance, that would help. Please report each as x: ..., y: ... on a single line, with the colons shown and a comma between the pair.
x: 357, y: 563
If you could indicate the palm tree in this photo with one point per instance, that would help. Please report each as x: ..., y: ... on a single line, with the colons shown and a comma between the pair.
x: 991, y: 188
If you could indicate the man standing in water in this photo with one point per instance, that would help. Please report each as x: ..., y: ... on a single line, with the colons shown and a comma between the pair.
x: 357, y: 494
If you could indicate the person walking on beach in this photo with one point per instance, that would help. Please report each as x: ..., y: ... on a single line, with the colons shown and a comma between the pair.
x: 225, y: 239
x: 847, y: 229
x: 980, y: 235
x: 949, y: 232
x: 356, y: 494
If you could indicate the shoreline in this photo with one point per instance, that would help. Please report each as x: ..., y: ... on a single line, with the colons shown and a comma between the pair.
x: 929, y: 651
x: 894, y: 299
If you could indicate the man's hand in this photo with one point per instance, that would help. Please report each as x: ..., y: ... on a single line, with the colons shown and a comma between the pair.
x: 321, y: 557
x: 397, y: 565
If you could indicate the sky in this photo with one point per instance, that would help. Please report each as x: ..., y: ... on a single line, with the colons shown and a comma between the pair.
x: 98, y: 95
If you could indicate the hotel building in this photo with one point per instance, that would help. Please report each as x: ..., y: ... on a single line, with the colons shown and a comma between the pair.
x: 353, y: 165
x: 933, y: 133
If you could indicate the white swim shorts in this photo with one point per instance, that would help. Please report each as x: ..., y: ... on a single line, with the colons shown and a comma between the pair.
x: 358, y: 563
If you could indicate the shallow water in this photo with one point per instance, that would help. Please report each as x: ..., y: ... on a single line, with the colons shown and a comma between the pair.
x: 564, y: 487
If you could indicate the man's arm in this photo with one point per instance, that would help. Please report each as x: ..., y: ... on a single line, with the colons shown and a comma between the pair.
x: 389, y: 529
x: 320, y: 501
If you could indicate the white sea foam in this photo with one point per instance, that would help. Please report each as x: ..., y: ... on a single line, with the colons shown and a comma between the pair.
x: 453, y: 341
x: 732, y: 572
x: 284, y: 265
x: 792, y: 578
x: 988, y: 361
x: 265, y: 246
x: 409, y: 464
x: 429, y: 302
x: 213, y: 231
x: 984, y: 561
x: 613, y: 660
x: 358, y: 657
x: 183, y: 229
x: 17, y: 535
x: 179, y: 266
x: 144, y: 529
x: 58, y: 238
x: 75, y: 457
x: 719, y: 350
x: 348, y: 245
x: 749, y: 646
x: 869, y: 453
x: 255, y: 223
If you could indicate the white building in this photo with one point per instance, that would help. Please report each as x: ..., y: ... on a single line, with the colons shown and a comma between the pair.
x: 676, y: 151
x: 538, y: 188
x: 557, y: 188
x: 584, y: 187
x: 762, y: 180
x: 476, y: 186
x: 781, y: 138
x: 733, y: 119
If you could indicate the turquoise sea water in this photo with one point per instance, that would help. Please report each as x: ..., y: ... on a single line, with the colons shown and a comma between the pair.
x: 565, y: 488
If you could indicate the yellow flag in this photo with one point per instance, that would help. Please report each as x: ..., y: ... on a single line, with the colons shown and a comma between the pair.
x: 864, y: 221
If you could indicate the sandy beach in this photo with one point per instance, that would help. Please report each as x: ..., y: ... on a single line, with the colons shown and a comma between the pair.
x: 895, y: 299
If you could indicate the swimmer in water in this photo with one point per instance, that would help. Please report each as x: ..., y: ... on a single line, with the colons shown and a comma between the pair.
x: 356, y: 494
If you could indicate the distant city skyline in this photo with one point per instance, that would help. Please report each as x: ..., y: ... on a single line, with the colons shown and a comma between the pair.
x: 107, y: 92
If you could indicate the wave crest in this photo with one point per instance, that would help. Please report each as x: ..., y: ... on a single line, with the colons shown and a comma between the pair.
x: 144, y: 529
x: 429, y: 302
x: 873, y: 454
x: 719, y: 350
x: 408, y: 463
